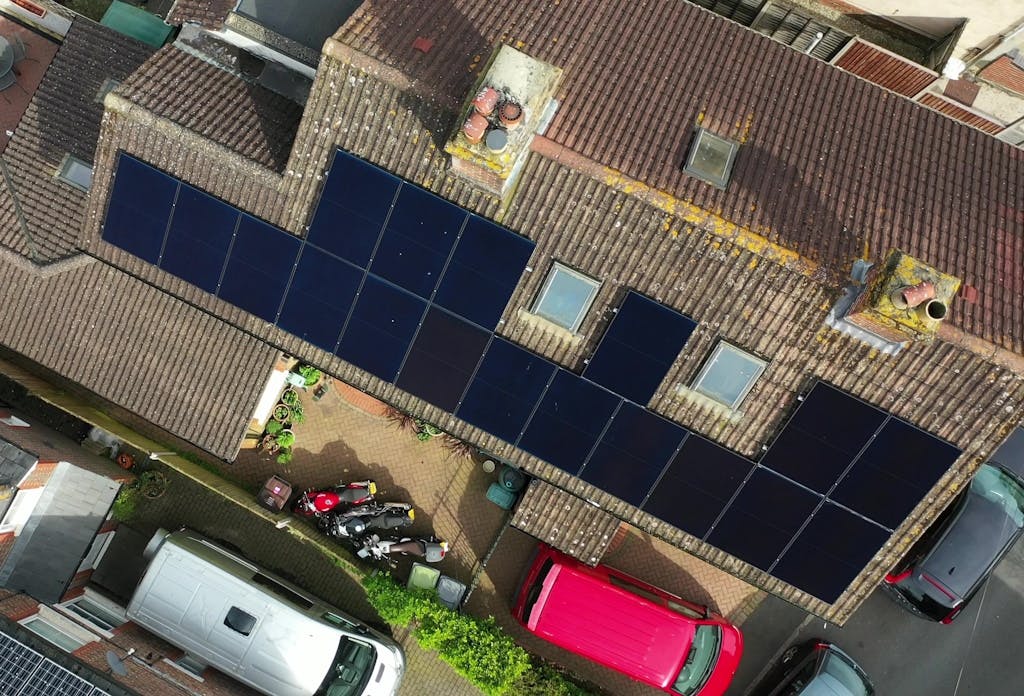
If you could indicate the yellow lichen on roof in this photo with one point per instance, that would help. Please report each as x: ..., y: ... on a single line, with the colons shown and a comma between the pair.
x: 707, y: 221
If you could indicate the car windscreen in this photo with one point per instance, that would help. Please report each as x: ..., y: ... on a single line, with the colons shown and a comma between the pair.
x: 992, y: 516
x: 353, y: 665
x: 700, y: 660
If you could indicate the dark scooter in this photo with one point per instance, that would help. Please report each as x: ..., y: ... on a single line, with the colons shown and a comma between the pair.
x: 365, y: 519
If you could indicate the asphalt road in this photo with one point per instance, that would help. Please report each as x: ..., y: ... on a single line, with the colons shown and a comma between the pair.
x: 980, y: 654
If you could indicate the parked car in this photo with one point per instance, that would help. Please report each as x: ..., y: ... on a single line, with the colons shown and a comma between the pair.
x: 952, y: 560
x: 815, y: 668
x: 628, y: 625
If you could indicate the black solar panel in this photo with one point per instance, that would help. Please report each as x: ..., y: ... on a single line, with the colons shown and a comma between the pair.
x: 484, y: 270
x: 762, y: 519
x: 823, y: 437
x: 417, y: 240
x: 201, y: 231
x: 830, y: 552
x: 570, y: 418
x: 894, y: 473
x: 319, y: 298
x: 506, y: 388
x: 259, y: 267
x: 639, y: 346
x: 140, y: 206
x: 381, y: 327
x: 632, y: 453
x: 443, y: 358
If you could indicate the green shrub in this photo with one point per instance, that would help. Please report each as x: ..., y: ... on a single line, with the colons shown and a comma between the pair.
x: 284, y: 457
x: 290, y: 397
x: 311, y: 374
x: 544, y: 680
x: 298, y: 415
x: 286, y: 439
x: 274, y: 427
x: 124, y: 504
x: 477, y: 649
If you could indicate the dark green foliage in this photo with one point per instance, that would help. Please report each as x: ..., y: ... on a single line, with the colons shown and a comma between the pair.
x: 477, y: 649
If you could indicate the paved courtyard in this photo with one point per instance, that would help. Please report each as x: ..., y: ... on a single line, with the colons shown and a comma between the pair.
x: 347, y: 436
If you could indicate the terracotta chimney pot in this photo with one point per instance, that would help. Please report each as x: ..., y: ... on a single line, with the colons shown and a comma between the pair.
x: 510, y: 114
x: 485, y: 101
x: 475, y: 127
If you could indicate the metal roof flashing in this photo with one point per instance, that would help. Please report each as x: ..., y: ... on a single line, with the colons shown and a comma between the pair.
x: 508, y: 105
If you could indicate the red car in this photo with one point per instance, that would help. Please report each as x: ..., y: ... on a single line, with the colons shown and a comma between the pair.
x: 628, y: 625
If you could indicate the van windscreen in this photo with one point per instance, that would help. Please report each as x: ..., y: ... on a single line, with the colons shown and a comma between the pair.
x: 533, y: 592
x: 701, y: 658
x: 353, y: 665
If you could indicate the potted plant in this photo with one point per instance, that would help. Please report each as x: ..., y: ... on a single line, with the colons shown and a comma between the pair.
x: 152, y: 484
x: 286, y: 438
x: 284, y: 457
x: 426, y: 431
x: 274, y: 427
x: 282, y: 413
x: 298, y: 415
x: 290, y: 397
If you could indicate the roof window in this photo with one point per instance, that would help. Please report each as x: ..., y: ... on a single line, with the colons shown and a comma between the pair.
x: 76, y: 172
x: 711, y: 158
x: 728, y: 374
x: 566, y: 297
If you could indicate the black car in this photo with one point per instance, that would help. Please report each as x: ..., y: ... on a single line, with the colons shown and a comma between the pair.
x: 948, y: 565
x: 815, y: 668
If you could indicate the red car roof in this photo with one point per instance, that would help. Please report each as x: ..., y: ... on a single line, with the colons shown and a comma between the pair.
x: 584, y: 614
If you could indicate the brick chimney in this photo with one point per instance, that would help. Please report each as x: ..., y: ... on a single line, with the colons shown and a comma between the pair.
x: 512, y: 101
x: 903, y: 299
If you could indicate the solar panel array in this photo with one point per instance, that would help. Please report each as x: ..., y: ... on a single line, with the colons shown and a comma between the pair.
x: 410, y: 287
x: 25, y: 672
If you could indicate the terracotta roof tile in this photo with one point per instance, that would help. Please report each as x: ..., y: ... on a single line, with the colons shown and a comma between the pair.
x: 564, y: 521
x: 244, y: 117
x: 945, y: 106
x: 963, y: 91
x: 1005, y: 73
x: 62, y: 118
x: 865, y: 170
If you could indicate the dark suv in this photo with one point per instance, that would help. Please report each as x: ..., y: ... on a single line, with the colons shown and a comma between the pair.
x: 948, y: 565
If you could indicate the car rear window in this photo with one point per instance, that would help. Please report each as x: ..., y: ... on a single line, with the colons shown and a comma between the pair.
x: 844, y: 673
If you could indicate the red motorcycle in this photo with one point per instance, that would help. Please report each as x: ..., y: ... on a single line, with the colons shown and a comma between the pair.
x: 314, y: 503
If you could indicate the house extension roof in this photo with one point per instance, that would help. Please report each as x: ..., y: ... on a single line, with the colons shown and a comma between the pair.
x: 830, y: 166
x: 40, y: 215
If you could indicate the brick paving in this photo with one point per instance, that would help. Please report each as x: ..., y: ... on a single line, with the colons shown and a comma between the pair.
x: 347, y: 436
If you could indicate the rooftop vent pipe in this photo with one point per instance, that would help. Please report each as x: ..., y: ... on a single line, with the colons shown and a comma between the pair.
x: 913, y: 295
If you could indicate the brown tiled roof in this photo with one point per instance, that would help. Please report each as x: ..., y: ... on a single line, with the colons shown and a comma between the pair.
x: 1003, y: 72
x: 246, y: 118
x: 884, y: 68
x: 209, y: 13
x: 831, y: 166
x: 945, y: 106
x: 128, y: 342
x: 963, y: 91
x: 42, y: 217
x: 567, y: 522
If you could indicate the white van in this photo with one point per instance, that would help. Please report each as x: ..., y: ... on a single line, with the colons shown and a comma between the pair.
x: 235, y: 617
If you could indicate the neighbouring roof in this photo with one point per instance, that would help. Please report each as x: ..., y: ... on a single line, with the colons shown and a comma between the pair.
x: 209, y: 13
x: 1003, y: 71
x: 58, y: 534
x: 142, y: 349
x: 14, y: 463
x: 248, y: 119
x: 830, y: 165
x: 41, y: 215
